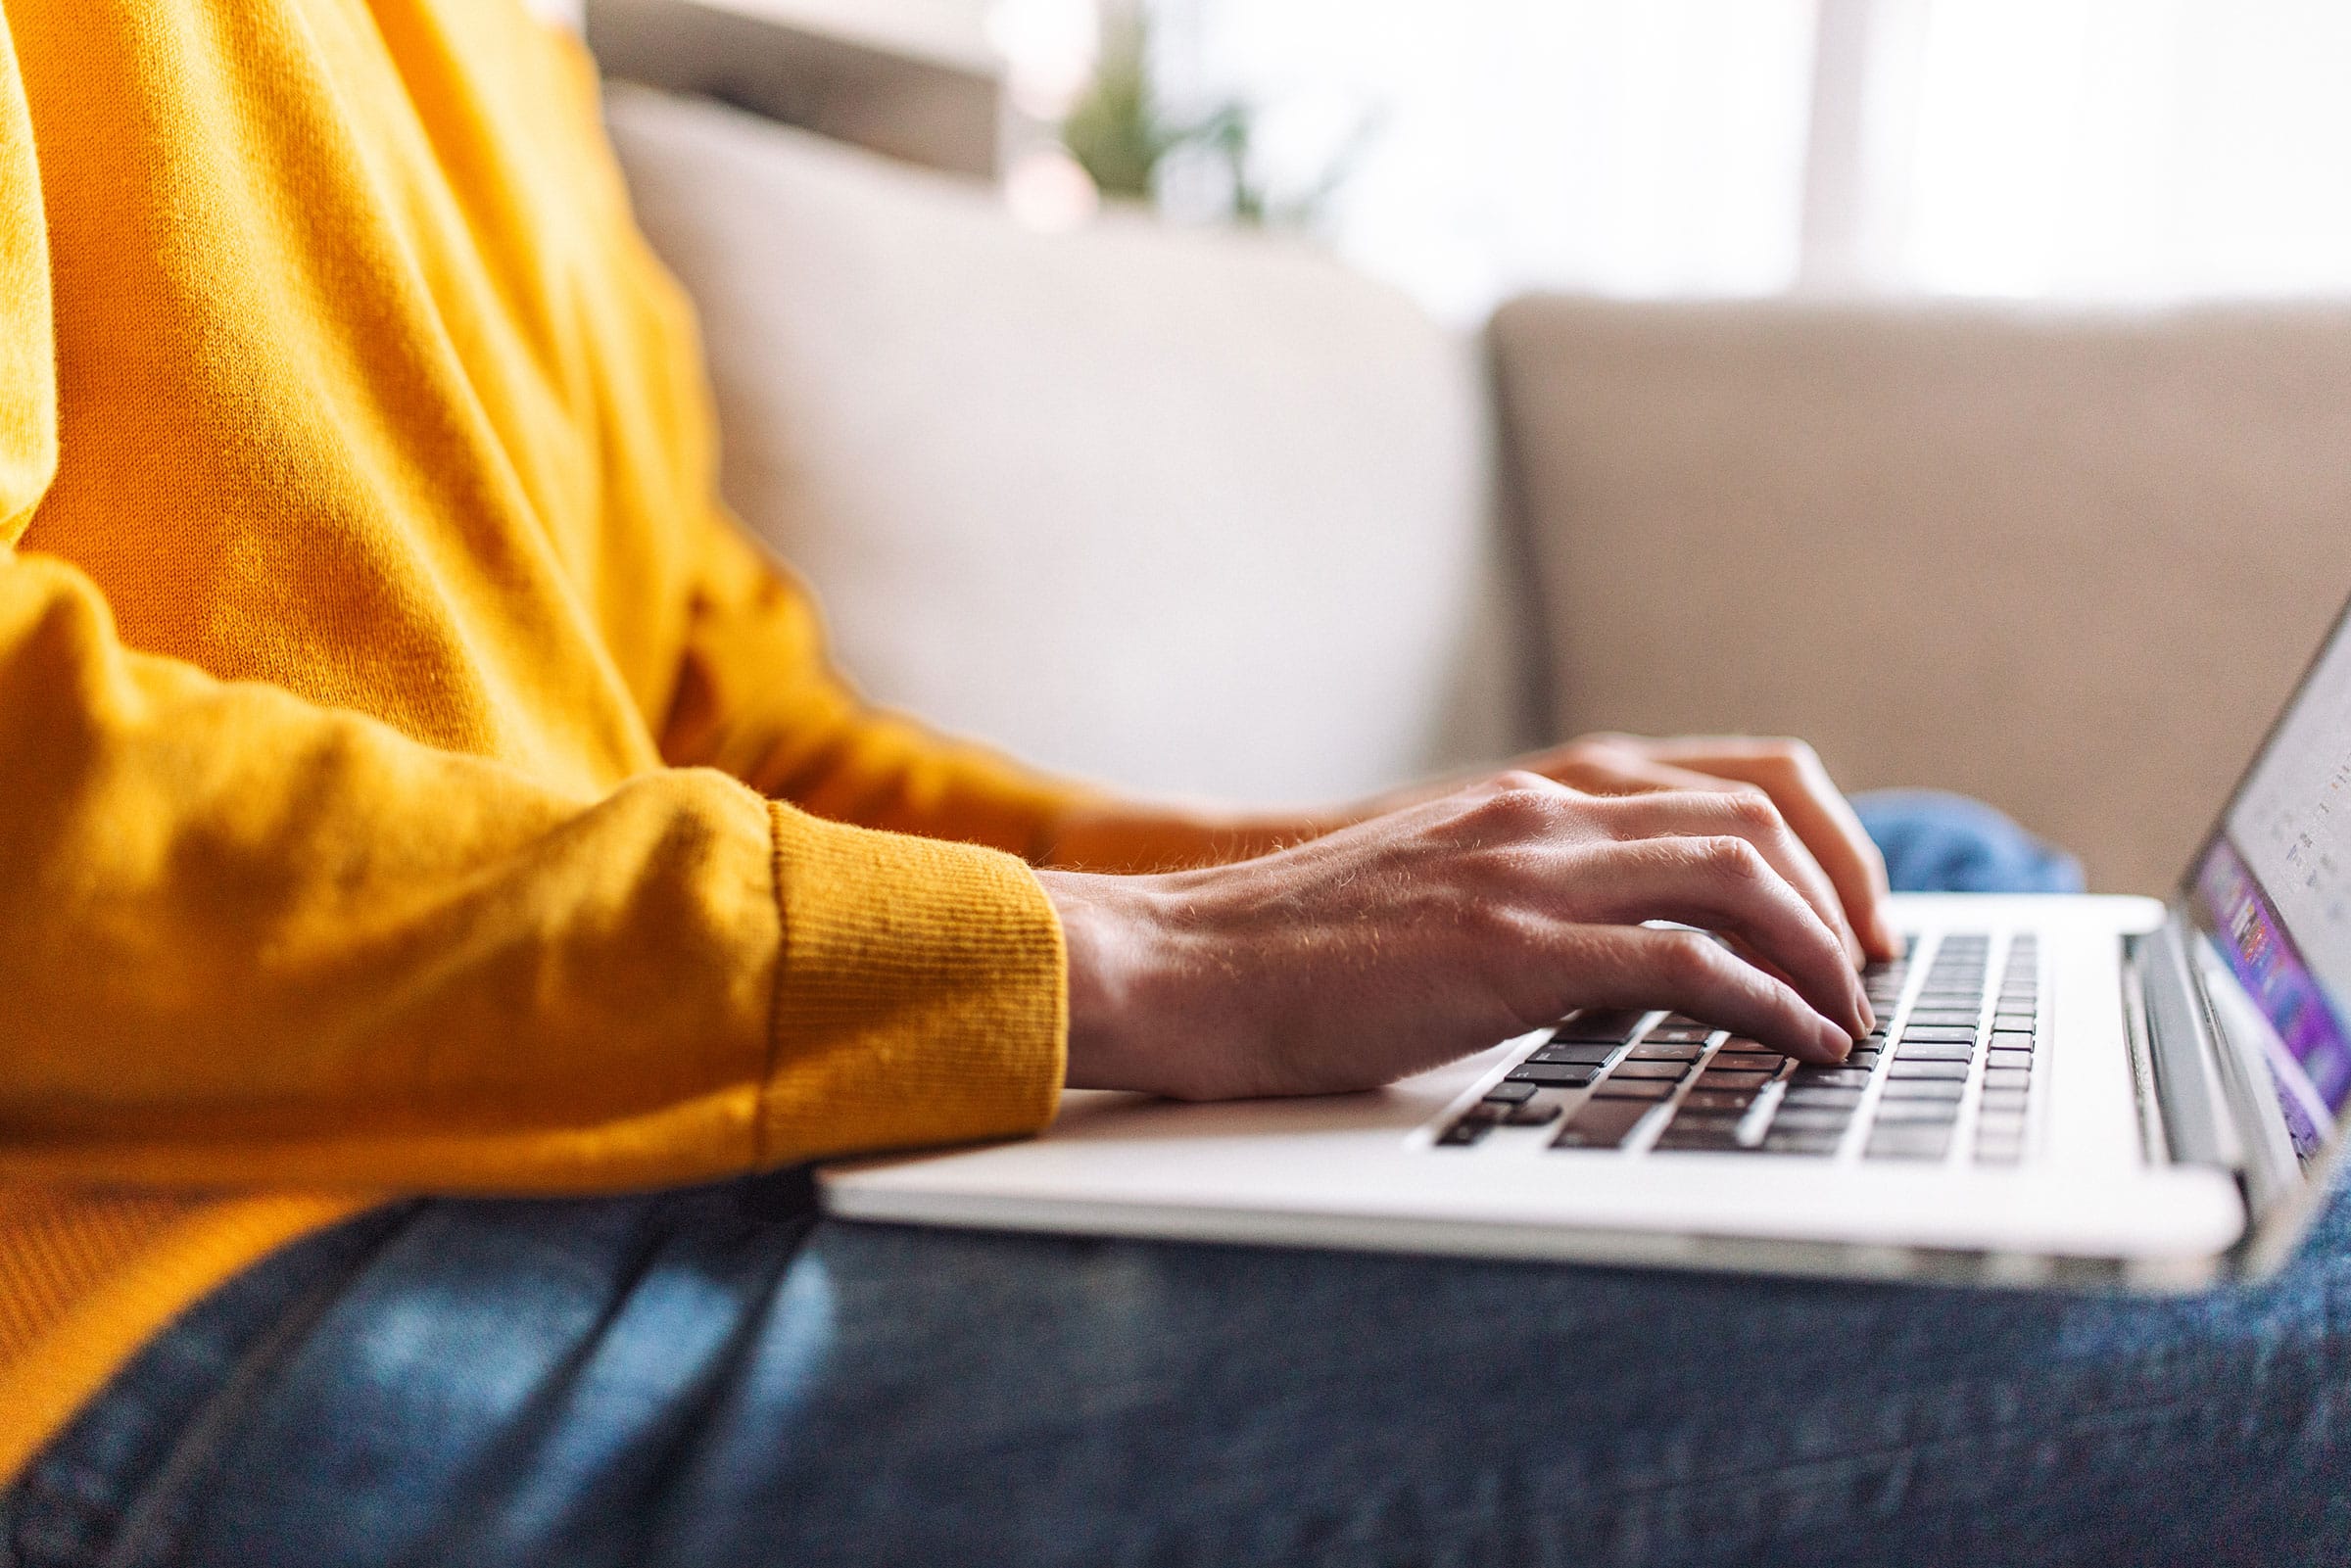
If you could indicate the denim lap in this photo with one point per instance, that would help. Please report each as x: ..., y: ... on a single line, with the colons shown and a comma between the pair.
x: 713, y: 1377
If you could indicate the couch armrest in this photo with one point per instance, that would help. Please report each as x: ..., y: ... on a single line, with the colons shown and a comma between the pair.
x: 2070, y: 563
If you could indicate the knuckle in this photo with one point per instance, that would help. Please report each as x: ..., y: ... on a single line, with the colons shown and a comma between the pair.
x: 1753, y: 810
x: 1522, y: 781
x: 1686, y: 958
x: 1734, y: 860
x: 1518, y: 802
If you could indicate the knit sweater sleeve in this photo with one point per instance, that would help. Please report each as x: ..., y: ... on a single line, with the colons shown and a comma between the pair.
x: 246, y: 941
x: 250, y: 939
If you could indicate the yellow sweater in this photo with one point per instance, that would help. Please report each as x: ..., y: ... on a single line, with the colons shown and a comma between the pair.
x: 390, y: 721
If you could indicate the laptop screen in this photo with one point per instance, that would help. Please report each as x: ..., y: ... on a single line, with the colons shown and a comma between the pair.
x: 2273, y: 893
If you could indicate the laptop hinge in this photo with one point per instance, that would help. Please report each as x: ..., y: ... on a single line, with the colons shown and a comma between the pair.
x: 2197, y: 1123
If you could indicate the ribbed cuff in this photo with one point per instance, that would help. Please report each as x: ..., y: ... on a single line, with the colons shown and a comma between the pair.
x: 921, y: 999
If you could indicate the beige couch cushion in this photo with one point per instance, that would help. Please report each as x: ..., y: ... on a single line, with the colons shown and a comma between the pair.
x: 2071, y: 564
x: 1188, y: 512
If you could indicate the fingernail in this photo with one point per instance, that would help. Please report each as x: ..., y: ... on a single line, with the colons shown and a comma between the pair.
x: 1890, y: 940
x: 1835, y: 1040
x: 1869, y: 1015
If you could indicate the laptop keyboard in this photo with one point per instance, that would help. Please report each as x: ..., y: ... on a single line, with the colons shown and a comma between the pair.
x: 1947, y: 1074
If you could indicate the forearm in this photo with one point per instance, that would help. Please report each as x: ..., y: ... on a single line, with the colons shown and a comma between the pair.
x: 248, y: 940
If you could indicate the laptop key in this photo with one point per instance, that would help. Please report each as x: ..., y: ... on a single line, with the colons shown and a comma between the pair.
x: 1464, y: 1131
x: 1508, y: 1093
x: 1720, y: 1078
x: 1938, y: 1034
x: 1554, y: 1076
x: 1753, y: 1061
x: 1540, y: 1113
x: 1588, y: 1054
x: 1953, y: 1072
x: 1662, y: 1071
x: 1621, y: 1088
x: 1678, y: 1034
x: 2022, y: 1060
x: 1951, y: 1089
x: 1821, y: 1095
x: 1909, y: 1143
x: 1600, y: 1124
x: 2006, y: 1079
x: 1705, y: 1098
x: 1934, y: 1052
x: 1608, y: 1026
x: 1794, y: 1142
x: 1828, y: 1077
x: 1812, y: 1118
x: 1931, y: 1113
x: 1649, y: 1051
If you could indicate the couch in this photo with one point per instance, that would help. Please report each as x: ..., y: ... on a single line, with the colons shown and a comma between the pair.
x: 1206, y: 514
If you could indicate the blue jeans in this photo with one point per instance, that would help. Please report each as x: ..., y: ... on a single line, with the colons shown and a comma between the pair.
x: 715, y: 1377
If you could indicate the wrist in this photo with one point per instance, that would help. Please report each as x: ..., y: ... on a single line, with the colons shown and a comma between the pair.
x: 1117, y: 979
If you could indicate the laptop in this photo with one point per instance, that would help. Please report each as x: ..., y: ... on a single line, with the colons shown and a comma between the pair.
x: 2085, y: 1090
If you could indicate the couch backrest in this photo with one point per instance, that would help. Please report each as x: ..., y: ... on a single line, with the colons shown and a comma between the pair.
x: 1188, y: 512
x: 2071, y: 563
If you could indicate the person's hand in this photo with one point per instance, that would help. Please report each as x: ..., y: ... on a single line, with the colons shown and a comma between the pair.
x: 1832, y: 862
x: 1836, y: 865
x: 1387, y: 947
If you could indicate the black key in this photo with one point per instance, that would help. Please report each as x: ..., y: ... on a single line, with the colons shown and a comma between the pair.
x: 1716, y: 1079
x: 1540, y: 1113
x: 1617, y: 1088
x: 1600, y: 1124
x: 1588, y: 1054
x: 1931, y: 1112
x: 1662, y: 1071
x: 1827, y: 1079
x: 1952, y: 1072
x: 1945, y: 1016
x: 1678, y: 1034
x: 1934, y: 1051
x: 1951, y: 1089
x: 1554, y: 1076
x: 1747, y: 1060
x: 1844, y: 1098
x: 1812, y: 1118
x: 1696, y: 1140
x: 1467, y: 1130
x: 1686, y: 1119
x: 1647, y: 1051
x: 1704, y: 1099
x: 1607, y: 1024
x: 1793, y: 1142
x: 1938, y: 1034
x: 1909, y: 1143
x: 1506, y: 1093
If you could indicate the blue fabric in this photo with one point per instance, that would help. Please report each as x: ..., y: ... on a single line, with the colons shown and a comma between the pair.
x: 711, y: 1377
x: 1936, y: 843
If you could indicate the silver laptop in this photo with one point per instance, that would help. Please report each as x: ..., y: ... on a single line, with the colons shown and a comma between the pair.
x: 2060, y: 1090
